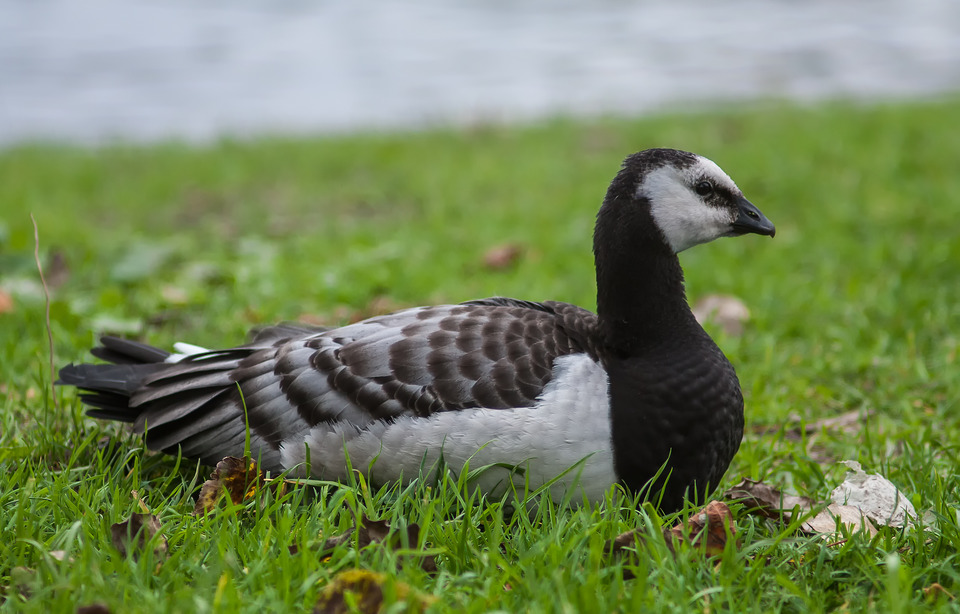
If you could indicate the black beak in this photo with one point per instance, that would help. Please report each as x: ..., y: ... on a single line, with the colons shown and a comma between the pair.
x: 751, y: 220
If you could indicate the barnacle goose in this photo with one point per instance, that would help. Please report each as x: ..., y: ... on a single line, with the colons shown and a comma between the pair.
x: 636, y: 394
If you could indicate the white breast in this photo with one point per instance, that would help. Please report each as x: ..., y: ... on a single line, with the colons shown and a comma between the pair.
x: 568, y: 430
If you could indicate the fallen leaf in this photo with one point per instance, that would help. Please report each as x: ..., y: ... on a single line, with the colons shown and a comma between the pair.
x: 359, y: 590
x: 376, y: 532
x: 131, y: 536
x: 875, y: 496
x: 503, y: 256
x: 369, y: 532
x: 709, y: 529
x: 848, y: 423
x: 618, y: 543
x: 767, y: 500
x: 829, y: 521
x: 862, y: 501
x: 240, y: 478
x: 935, y: 591
x: 727, y: 312
x: 6, y: 302
x: 174, y: 295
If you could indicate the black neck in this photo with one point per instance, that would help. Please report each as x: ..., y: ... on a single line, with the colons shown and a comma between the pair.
x: 640, y: 293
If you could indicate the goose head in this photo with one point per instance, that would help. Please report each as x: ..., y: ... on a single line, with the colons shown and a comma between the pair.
x: 691, y: 199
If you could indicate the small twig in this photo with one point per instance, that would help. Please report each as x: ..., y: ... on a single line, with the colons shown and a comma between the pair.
x: 46, y: 294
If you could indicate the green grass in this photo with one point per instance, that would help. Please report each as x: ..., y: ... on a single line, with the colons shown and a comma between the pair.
x: 855, y: 305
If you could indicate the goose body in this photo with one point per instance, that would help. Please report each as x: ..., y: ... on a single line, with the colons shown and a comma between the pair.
x: 547, y: 389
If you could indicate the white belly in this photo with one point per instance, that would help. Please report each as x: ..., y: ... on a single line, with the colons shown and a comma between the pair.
x: 566, y: 434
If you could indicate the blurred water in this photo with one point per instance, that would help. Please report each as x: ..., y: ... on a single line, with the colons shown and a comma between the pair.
x: 140, y: 70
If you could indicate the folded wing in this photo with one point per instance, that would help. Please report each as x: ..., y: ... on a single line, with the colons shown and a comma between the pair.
x: 494, y: 353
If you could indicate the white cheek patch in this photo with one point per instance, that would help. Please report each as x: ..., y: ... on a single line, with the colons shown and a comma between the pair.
x: 683, y: 217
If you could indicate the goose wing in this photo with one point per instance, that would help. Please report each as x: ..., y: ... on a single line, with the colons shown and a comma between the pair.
x: 493, y: 353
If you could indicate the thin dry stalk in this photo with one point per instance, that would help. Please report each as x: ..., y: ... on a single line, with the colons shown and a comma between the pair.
x: 46, y: 295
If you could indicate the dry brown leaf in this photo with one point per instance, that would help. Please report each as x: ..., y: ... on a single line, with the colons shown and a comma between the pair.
x: 829, y: 521
x: 131, y: 536
x: 369, y: 532
x: 376, y: 532
x: 240, y: 478
x: 618, y: 543
x: 767, y: 500
x: 709, y: 528
x: 503, y: 256
x: 359, y: 590
x: 727, y: 312
x: 862, y: 501
x: 935, y: 591
x: 6, y: 302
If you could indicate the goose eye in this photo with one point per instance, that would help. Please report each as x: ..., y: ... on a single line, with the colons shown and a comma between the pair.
x: 704, y: 188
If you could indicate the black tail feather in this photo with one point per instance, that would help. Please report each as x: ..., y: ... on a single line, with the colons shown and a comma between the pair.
x: 126, y: 352
x: 107, y: 387
x: 119, y: 379
x: 192, y: 405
